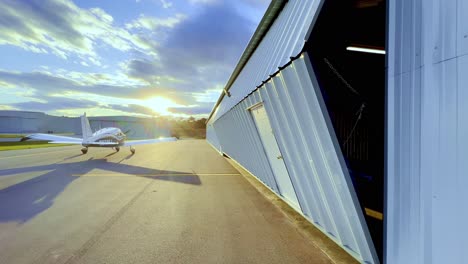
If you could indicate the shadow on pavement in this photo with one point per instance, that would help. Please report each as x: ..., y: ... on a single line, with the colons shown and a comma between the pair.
x: 25, y: 200
x: 187, y: 179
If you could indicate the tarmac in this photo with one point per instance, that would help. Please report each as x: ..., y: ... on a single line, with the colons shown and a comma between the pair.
x: 173, y: 202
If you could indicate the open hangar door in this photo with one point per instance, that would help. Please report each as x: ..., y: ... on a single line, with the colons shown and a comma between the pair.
x: 347, y: 49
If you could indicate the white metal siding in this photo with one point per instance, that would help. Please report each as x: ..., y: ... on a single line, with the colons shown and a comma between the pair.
x: 285, y: 39
x: 427, y: 164
x: 212, y: 138
x: 314, y: 161
x: 20, y: 121
x: 273, y: 153
x: 9, y: 124
x: 238, y: 137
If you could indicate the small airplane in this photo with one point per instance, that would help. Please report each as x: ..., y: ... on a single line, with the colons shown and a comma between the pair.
x: 109, y: 137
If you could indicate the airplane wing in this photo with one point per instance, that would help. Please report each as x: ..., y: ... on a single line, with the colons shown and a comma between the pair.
x: 54, y: 139
x: 148, y: 141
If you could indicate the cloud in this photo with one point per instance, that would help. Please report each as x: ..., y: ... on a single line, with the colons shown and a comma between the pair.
x: 55, y: 103
x: 48, y: 24
x: 179, y: 76
x: 154, y: 23
x: 59, y: 104
x: 192, y: 110
x: 48, y: 84
x: 166, y: 4
x: 199, y: 52
x: 186, y: 59
x: 133, y: 108
x: 62, y: 28
x: 87, y: 85
x: 258, y: 3
x: 64, y: 102
x: 65, y: 91
x: 6, y: 107
x: 209, y: 95
x: 217, y: 34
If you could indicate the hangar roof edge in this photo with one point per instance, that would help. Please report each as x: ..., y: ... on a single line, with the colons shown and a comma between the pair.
x: 272, y: 12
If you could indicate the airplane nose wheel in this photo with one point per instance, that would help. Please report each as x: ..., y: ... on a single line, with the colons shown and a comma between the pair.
x: 84, y: 150
x: 132, y: 150
x: 117, y: 149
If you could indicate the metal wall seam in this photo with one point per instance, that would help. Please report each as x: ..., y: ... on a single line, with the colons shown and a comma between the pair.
x: 253, y: 131
x: 309, y: 209
x: 426, y: 164
x: 329, y: 170
x: 212, y: 138
x: 316, y: 172
x: 282, y: 31
x: 254, y: 159
x: 250, y: 154
x: 403, y: 200
x: 301, y: 23
x: 446, y: 202
x: 309, y: 192
x: 462, y: 141
x: 255, y: 142
x: 297, y: 156
x: 264, y: 59
x: 445, y: 30
x: 425, y: 214
x: 462, y: 28
x: 275, y: 50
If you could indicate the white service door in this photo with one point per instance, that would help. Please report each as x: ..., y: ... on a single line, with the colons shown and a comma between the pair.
x: 274, y: 156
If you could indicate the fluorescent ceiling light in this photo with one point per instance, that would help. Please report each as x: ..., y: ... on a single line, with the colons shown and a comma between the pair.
x: 367, y: 50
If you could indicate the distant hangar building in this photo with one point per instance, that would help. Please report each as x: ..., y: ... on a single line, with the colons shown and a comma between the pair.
x: 354, y: 113
x: 25, y: 122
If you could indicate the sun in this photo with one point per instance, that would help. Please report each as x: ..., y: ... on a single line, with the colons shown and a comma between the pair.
x: 159, y: 105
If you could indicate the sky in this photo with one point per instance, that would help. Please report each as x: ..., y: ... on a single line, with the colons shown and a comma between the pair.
x: 126, y: 57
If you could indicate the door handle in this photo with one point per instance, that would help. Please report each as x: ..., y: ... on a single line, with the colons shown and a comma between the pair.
x: 279, y: 157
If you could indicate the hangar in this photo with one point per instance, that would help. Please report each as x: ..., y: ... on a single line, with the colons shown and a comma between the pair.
x: 24, y: 122
x: 353, y: 113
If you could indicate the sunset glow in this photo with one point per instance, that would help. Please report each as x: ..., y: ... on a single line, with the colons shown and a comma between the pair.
x: 159, y: 105
x: 121, y: 58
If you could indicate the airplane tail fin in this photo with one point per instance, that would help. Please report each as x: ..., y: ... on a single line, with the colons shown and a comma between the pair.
x: 85, y: 128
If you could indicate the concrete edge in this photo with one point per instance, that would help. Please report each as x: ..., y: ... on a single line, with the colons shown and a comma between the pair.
x: 211, y: 145
x: 336, y: 254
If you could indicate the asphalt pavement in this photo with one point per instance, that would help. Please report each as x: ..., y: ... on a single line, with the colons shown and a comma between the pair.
x: 173, y: 202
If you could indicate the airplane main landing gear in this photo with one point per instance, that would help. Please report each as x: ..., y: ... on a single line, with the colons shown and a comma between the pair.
x: 117, y: 149
x: 84, y: 150
x: 132, y: 150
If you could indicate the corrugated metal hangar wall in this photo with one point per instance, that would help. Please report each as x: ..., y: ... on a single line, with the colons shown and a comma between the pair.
x: 20, y: 122
x: 427, y: 130
x: 370, y: 148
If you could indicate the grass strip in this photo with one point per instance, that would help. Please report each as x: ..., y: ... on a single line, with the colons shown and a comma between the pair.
x: 28, y: 145
x: 10, y: 136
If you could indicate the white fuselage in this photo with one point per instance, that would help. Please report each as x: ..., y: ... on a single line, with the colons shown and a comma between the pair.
x: 106, y: 137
